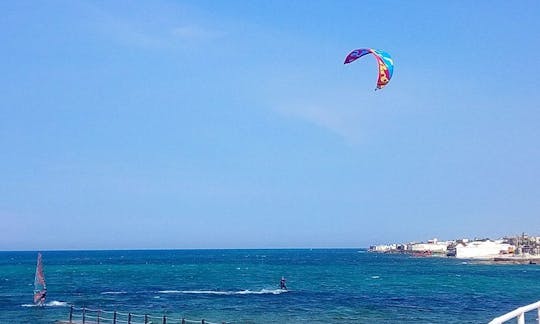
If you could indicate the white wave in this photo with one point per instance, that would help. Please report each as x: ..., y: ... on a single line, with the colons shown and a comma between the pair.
x: 375, y: 277
x: 262, y: 292
x: 227, y: 293
x: 54, y: 303
x: 29, y: 305
x: 113, y: 292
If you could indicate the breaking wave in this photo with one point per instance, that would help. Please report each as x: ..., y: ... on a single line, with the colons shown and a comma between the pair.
x: 113, y: 292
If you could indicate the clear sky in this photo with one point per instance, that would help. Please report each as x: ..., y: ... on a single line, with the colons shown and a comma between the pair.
x: 235, y: 124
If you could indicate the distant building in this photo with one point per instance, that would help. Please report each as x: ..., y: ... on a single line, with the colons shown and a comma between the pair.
x: 386, y: 248
x: 383, y: 248
x: 482, y: 249
x: 433, y: 246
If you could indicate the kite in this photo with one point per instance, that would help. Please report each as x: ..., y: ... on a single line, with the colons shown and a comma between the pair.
x: 385, y: 62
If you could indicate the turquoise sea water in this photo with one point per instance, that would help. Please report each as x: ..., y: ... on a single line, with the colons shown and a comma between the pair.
x: 240, y: 286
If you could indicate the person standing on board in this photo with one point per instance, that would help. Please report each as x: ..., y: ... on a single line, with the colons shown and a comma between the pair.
x: 282, y: 284
x: 39, y: 297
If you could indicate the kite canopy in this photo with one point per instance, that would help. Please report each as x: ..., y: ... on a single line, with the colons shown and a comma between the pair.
x: 386, y: 64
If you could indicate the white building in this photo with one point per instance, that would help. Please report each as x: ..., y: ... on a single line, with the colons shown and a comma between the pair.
x: 433, y: 246
x: 383, y: 248
x: 482, y: 249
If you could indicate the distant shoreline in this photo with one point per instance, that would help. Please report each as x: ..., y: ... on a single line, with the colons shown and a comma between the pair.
x: 189, y: 249
x: 521, y: 259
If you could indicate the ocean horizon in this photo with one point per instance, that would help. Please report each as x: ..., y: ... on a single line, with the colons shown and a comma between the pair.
x: 242, y: 286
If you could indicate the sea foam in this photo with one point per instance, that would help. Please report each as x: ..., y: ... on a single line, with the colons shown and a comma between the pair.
x: 113, y: 292
x: 227, y: 293
x: 54, y: 303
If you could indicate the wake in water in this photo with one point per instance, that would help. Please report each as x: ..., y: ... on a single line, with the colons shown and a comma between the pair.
x: 54, y: 303
x: 227, y: 293
x: 114, y: 292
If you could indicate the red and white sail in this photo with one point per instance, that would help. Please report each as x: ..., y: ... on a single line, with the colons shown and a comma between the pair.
x: 40, y: 288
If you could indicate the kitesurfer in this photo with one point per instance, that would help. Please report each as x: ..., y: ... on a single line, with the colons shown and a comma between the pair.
x: 282, y: 284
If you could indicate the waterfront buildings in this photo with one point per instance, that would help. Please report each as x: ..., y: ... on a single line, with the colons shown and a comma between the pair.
x: 432, y: 246
x: 518, y: 248
x: 482, y: 249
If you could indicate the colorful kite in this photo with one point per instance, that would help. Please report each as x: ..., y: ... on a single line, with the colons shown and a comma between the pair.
x: 386, y: 64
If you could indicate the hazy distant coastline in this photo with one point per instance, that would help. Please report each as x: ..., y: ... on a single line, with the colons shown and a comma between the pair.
x: 509, y: 249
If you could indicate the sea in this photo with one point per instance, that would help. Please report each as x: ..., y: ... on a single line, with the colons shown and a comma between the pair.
x: 242, y: 286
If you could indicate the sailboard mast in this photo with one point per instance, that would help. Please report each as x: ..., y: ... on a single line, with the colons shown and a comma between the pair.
x: 40, y: 288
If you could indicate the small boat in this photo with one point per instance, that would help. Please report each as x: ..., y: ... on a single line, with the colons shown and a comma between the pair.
x: 40, y: 288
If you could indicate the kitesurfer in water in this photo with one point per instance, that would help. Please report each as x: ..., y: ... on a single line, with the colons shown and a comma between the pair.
x: 282, y: 284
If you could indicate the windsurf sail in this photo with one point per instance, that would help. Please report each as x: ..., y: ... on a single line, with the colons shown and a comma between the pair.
x: 40, y: 288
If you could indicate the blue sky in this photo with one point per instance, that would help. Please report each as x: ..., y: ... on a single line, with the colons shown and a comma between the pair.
x: 234, y: 124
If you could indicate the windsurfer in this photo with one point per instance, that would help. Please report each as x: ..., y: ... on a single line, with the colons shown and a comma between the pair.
x: 39, y: 297
x: 43, y: 296
x: 40, y: 288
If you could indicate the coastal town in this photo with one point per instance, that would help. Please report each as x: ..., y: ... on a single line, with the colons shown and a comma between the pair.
x: 523, y: 249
